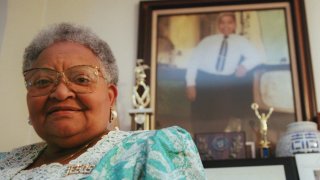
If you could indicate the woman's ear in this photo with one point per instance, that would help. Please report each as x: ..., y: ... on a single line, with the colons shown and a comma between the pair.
x: 112, y: 93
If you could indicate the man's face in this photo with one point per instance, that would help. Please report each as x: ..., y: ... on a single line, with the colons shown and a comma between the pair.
x: 227, y: 25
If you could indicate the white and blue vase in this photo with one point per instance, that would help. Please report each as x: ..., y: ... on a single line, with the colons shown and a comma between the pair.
x: 300, y: 137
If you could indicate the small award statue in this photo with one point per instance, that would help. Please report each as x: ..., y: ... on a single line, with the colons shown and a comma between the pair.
x: 141, y: 114
x: 263, y: 118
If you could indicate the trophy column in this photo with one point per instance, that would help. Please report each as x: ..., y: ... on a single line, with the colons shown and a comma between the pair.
x: 141, y: 114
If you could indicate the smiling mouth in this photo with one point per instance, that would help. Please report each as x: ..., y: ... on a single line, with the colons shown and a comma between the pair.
x: 61, y: 109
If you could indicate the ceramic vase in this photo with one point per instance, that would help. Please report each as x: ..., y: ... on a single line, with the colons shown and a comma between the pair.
x: 300, y: 137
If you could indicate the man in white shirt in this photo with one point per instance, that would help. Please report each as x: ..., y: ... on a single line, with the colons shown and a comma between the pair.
x: 217, y: 68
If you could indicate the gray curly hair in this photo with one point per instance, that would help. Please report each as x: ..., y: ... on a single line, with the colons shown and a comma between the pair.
x: 77, y: 34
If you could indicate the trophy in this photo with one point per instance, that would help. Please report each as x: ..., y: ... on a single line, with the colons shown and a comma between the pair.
x: 263, y: 119
x: 141, y: 114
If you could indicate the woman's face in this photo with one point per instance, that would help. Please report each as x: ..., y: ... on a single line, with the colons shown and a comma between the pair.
x: 64, y: 118
x: 227, y: 25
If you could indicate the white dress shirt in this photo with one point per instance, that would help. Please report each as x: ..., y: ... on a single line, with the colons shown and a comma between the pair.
x: 206, y: 54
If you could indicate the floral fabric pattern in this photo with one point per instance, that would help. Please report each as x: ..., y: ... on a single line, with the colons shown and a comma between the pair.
x: 164, y: 154
x: 158, y: 154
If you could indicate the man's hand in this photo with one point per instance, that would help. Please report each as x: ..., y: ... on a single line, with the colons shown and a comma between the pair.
x: 191, y: 93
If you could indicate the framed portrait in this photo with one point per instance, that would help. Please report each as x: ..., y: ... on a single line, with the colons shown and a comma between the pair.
x: 211, y: 59
x: 284, y: 168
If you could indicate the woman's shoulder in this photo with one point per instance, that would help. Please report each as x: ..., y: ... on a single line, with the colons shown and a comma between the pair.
x: 22, y: 150
x: 173, y: 137
x: 153, y: 154
x: 3, y: 155
x: 17, y: 159
x: 172, y: 131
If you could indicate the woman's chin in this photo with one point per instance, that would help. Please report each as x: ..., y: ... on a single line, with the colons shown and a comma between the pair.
x: 64, y: 129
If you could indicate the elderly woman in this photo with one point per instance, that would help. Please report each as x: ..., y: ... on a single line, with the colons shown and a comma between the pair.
x: 71, y: 77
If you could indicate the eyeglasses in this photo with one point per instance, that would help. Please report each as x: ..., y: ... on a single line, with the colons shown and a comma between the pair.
x: 43, y: 81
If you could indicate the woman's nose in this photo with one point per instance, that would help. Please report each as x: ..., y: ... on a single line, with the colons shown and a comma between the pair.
x: 62, y: 90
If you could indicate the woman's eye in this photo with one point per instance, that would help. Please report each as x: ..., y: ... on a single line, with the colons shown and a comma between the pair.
x: 82, y: 80
x: 42, y: 83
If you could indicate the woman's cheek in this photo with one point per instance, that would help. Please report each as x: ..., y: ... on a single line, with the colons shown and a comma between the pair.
x: 35, y: 107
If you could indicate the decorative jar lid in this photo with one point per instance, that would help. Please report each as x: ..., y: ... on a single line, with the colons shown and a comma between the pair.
x: 301, y: 126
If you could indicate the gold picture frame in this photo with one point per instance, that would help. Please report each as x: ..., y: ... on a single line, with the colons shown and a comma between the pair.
x: 168, y: 82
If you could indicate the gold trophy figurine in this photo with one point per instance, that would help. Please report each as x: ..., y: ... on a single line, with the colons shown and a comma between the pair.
x: 263, y: 118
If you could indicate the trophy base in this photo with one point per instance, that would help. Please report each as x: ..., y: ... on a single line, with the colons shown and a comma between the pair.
x: 264, y: 152
x: 141, y: 119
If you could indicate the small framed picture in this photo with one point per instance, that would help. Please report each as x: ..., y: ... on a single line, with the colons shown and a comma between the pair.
x: 224, y: 145
x: 250, y: 150
x: 283, y: 168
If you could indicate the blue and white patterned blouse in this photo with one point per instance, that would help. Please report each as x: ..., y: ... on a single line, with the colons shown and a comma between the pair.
x: 169, y: 153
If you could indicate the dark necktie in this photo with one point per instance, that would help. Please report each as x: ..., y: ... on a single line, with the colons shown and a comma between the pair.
x: 222, y: 54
